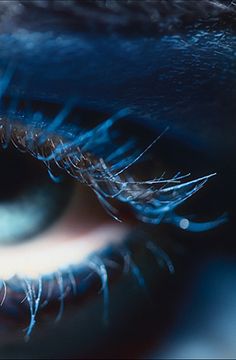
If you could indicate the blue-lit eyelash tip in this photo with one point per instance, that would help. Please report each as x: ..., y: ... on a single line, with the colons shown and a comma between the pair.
x: 3, y: 291
x: 93, y: 157
x: 54, y: 178
x: 60, y: 282
x: 33, y: 292
x: 96, y: 264
x: 153, y: 203
x: 185, y: 223
x: 86, y: 141
x: 160, y: 255
x: 131, y: 267
x: 135, y: 158
x: 58, y: 120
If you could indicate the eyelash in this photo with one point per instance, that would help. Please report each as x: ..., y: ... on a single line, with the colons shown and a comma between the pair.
x: 86, y: 158
x: 66, y: 283
x: 93, y: 158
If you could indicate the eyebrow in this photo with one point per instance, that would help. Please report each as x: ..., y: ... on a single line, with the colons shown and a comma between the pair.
x: 128, y: 17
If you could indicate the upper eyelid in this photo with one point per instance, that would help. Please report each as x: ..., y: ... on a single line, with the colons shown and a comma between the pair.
x: 164, y: 201
x: 149, y: 200
x: 109, y: 74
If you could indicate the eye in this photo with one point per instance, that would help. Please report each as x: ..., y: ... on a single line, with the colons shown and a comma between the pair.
x: 60, y: 225
x: 32, y: 206
x: 85, y: 117
x: 67, y: 228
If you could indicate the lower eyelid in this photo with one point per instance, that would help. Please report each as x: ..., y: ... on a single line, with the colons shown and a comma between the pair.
x: 75, y: 284
x: 66, y: 256
x: 84, y: 228
x: 59, y: 279
x: 68, y: 251
x: 50, y: 252
x: 72, y: 284
x: 30, y: 285
x: 56, y: 273
x: 86, y: 281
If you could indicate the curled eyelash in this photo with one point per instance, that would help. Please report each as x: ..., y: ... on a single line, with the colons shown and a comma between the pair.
x: 94, y: 159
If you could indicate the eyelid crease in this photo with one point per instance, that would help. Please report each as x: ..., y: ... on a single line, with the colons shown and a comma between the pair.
x: 92, y: 158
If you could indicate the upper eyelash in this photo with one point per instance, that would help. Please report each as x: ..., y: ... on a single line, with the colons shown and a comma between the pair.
x: 92, y: 158
x: 145, y: 197
x: 86, y: 158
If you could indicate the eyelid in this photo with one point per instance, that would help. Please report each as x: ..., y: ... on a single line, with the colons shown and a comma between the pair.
x: 89, y: 158
x: 98, y: 69
x: 92, y: 158
x: 80, y: 282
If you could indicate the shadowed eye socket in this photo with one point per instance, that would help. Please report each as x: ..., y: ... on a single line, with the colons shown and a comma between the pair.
x: 108, y: 76
x: 106, y: 160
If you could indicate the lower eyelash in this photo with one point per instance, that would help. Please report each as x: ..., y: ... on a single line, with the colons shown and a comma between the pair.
x: 33, y: 295
x: 93, y: 158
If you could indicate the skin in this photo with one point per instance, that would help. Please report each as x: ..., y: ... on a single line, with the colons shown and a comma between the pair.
x: 187, y: 84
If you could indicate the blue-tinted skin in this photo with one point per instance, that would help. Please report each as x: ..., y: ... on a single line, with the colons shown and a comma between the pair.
x: 172, y: 80
x: 185, y: 82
